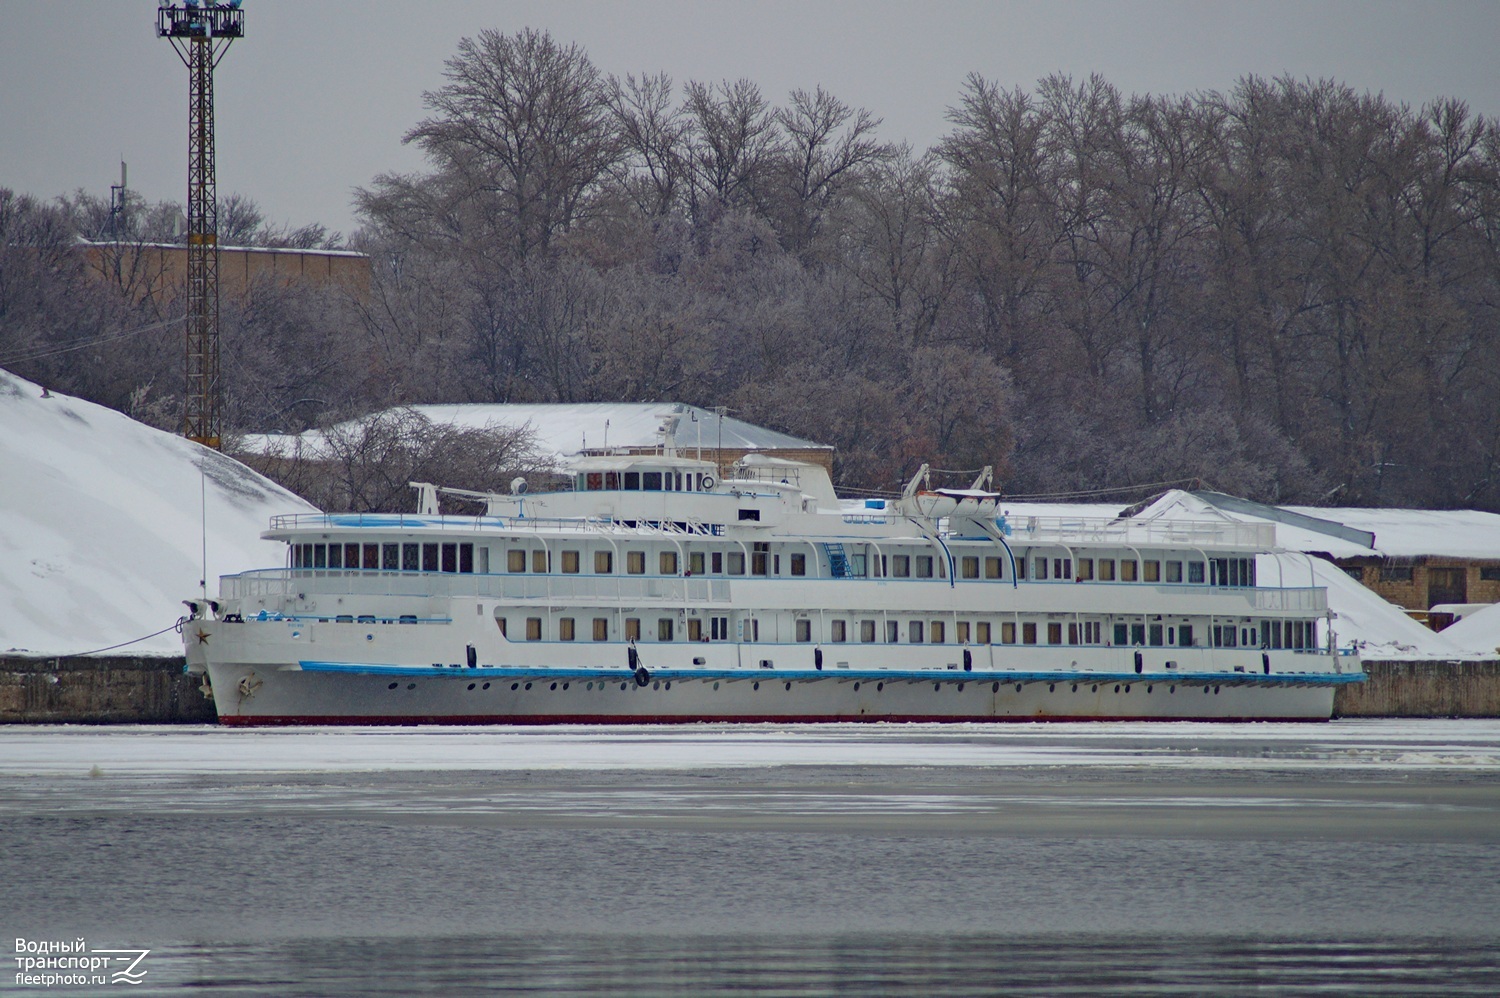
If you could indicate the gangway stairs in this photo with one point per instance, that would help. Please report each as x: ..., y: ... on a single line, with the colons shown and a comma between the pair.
x: 838, y: 562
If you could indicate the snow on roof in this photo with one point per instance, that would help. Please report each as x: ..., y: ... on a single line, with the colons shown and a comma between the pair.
x: 1411, y: 533
x: 1479, y: 632
x: 100, y: 521
x: 564, y: 429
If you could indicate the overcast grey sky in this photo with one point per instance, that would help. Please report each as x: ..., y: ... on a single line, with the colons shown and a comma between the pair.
x: 314, y: 100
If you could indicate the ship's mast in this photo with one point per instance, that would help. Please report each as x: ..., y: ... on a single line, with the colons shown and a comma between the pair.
x: 201, y: 33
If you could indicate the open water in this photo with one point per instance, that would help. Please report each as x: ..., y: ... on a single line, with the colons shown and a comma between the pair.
x: 1352, y: 858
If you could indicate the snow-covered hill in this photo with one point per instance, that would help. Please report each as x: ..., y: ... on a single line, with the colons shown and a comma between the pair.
x: 102, y: 524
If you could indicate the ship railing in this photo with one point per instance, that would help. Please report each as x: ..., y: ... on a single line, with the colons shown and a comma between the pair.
x: 284, y: 583
x: 470, y: 524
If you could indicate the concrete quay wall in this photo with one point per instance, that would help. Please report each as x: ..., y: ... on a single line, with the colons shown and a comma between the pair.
x: 149, y: 690
x: 102, y: 690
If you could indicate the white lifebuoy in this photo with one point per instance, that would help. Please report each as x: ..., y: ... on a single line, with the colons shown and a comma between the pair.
x: 708, y: 483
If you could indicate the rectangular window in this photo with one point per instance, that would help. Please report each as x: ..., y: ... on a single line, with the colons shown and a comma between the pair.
x: 758, y: 552
x: 982, y: 632
x: 632, y: 628
x: 1174, y: 571
x: 664, y: 629
x: 1085, y: 569
x: 961, y: 632
x: 499, y: 622
x: 1039, y: 570
x: 335, y: 555
x: 695, y: 629
x: 1185, y: 635
x: 1489, y: 573
x: 718, y: 628
x: 1128, y: 571
x: 914, y: 632
x: 1106, y: 570
x: 372, y: 557
x: 1072, y: 633
x: 1008, y: 633
x: 650, y: 481
x: 668, y: 562
x: 1395, y: 573
x: 1028, y: 633
x: 635, y: 562
x: 632, y: 481
x: 1150, y: 571
x: 390, y: 557
x: 466, y: 558
x: 601, y: 628
x: 937, y: 632
x: 1156, y: 636
x: 1021, y: 568
x: 969, y: 566
x: 1195, y: 572
x: 1122, y: 634
x: 320, y: 556
x: 992, y: 568
x: 838, y: 632
x: 450, y: 557
x: 1138, y: 634
x: 799, y: 564
x: 565, y: 629
x: 718, y: 563
x: 541, y: 562
x: 900, y: 566
x: 429, y: 557
x: 409, y: 562
x: 804, y: 631
x: 351, y: 555
x: 736, y: 563
x: 924, y: 566
x: 533, y: 628
x: 515, y: 561
x: 570, y: 562
x: 867, y: 631
x: 695, y: 562
x: 1062, y: 568
x: 1054, y: 633
x: 892, y: 632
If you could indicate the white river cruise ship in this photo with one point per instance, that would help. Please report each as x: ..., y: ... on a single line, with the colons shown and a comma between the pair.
x: 651, y: 592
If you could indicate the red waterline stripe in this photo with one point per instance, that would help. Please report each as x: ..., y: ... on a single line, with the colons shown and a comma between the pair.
x: 407, y: 720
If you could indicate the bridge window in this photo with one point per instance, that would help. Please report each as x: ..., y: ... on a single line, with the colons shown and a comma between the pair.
x: 541, y: 562
x: 1040, y: 570
x: 900, y: 566
x: 372, y: 557
x: 924, y: 566
x: 429, y: 557
x: 466, y: 558
x: 612, y: 481
x: 695, y: 562
x: 736, y: 563
x: 390, y: 557
x: 968, y: 566
x: 594, y: 481
x: 409, y: 562
x: 1195, y: 572
x: 1128, y: 572
x: 651, y: 481
x: 632, y: 481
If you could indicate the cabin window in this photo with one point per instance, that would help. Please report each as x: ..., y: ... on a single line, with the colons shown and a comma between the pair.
x: 1184, y: 635
x: 565, y: 629
x: 664, y: 629
x: 982, y: 632
x: 450, y: 557
x: 1062, y: 568
x: 335, y: 555
x: 612, y: 481
x: 429, y: 557
x: 695, y: 563
x: 1028, y: 633
x: 694, y: 629
x: 1021, y: 568
x: 632, y: 481
x: 466, y: 558
x: 1155, y: 636
x: 499, y: 622
x: 1072, y: 634
x: 372, y: 557
x: 914, y: 632
x: 1150, y: 571
x: 961, y: 632
x: 900, y: 566
x: 968, y: 566
x: 570, y: 562
x: 635, y: 562
x: 541, y: 562
x: 650, y: 481
x: 1040, y: 570
x: 736, y: 563
x: 1122, y: 634
x: 1054, y: 633
x: 867, y: 631
x: 632, y: 628
x: 937, y: 632
x: 533, y: 628
x: 799, y: 564
x: 1106, y: 570
x: 924, y: 566
x: 892, y: 632
x: 758, y: 554
x: 594, y: 481
x: 717, y: 561
x: 515, y: 561
x: 1138, y: 634
x: 1174, y: 571
x: 718, y: 628
x: 409, y: 561
x: 993, y: 569
x: 803, y: 630
x: 837, y: 633
x: 320, y: 556
x: 1085, y: 569
x: 668, y: 562
x: 390, y: 557
x: 1129, y: 570
x: 1008, y: 633
x: 604, y: 562
x: 601, y: 628
x: 749, y: 515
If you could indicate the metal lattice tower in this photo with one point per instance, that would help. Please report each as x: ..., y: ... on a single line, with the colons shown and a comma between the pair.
x: 201, y: 33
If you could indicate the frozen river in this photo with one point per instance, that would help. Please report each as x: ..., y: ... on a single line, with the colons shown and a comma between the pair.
x: 1355, y: 857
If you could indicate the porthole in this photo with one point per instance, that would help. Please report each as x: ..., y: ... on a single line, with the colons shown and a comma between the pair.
x: 411, y: 686
x: 789, y: 687
x: 1172, y: 689
x: 1148, y: 688
x: 656, y: 685
x: 393, y: 686
x: 528, y: 686
x: 1127, y: 687
x: 485, y: 686
x: 565, y: 685
x: 588, y: 686
x: 1075, y: 687
x: 624, y: 685
x: 667, y: 685
x: 995, y: 688
x: 1216, y: 691
x: 936, y: 687
x: 879, y: 687
x: 960, y: 687
x: 1205, y: 689
x: 716, y: 685
x: 553, y: 686
x: 1094, y: 688
x: 1117, y: 687
x: 1051, y: 687
x: 1018, y: 687
x: 755, y: 686
x: 471, y: 686
x: 856, y: 687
